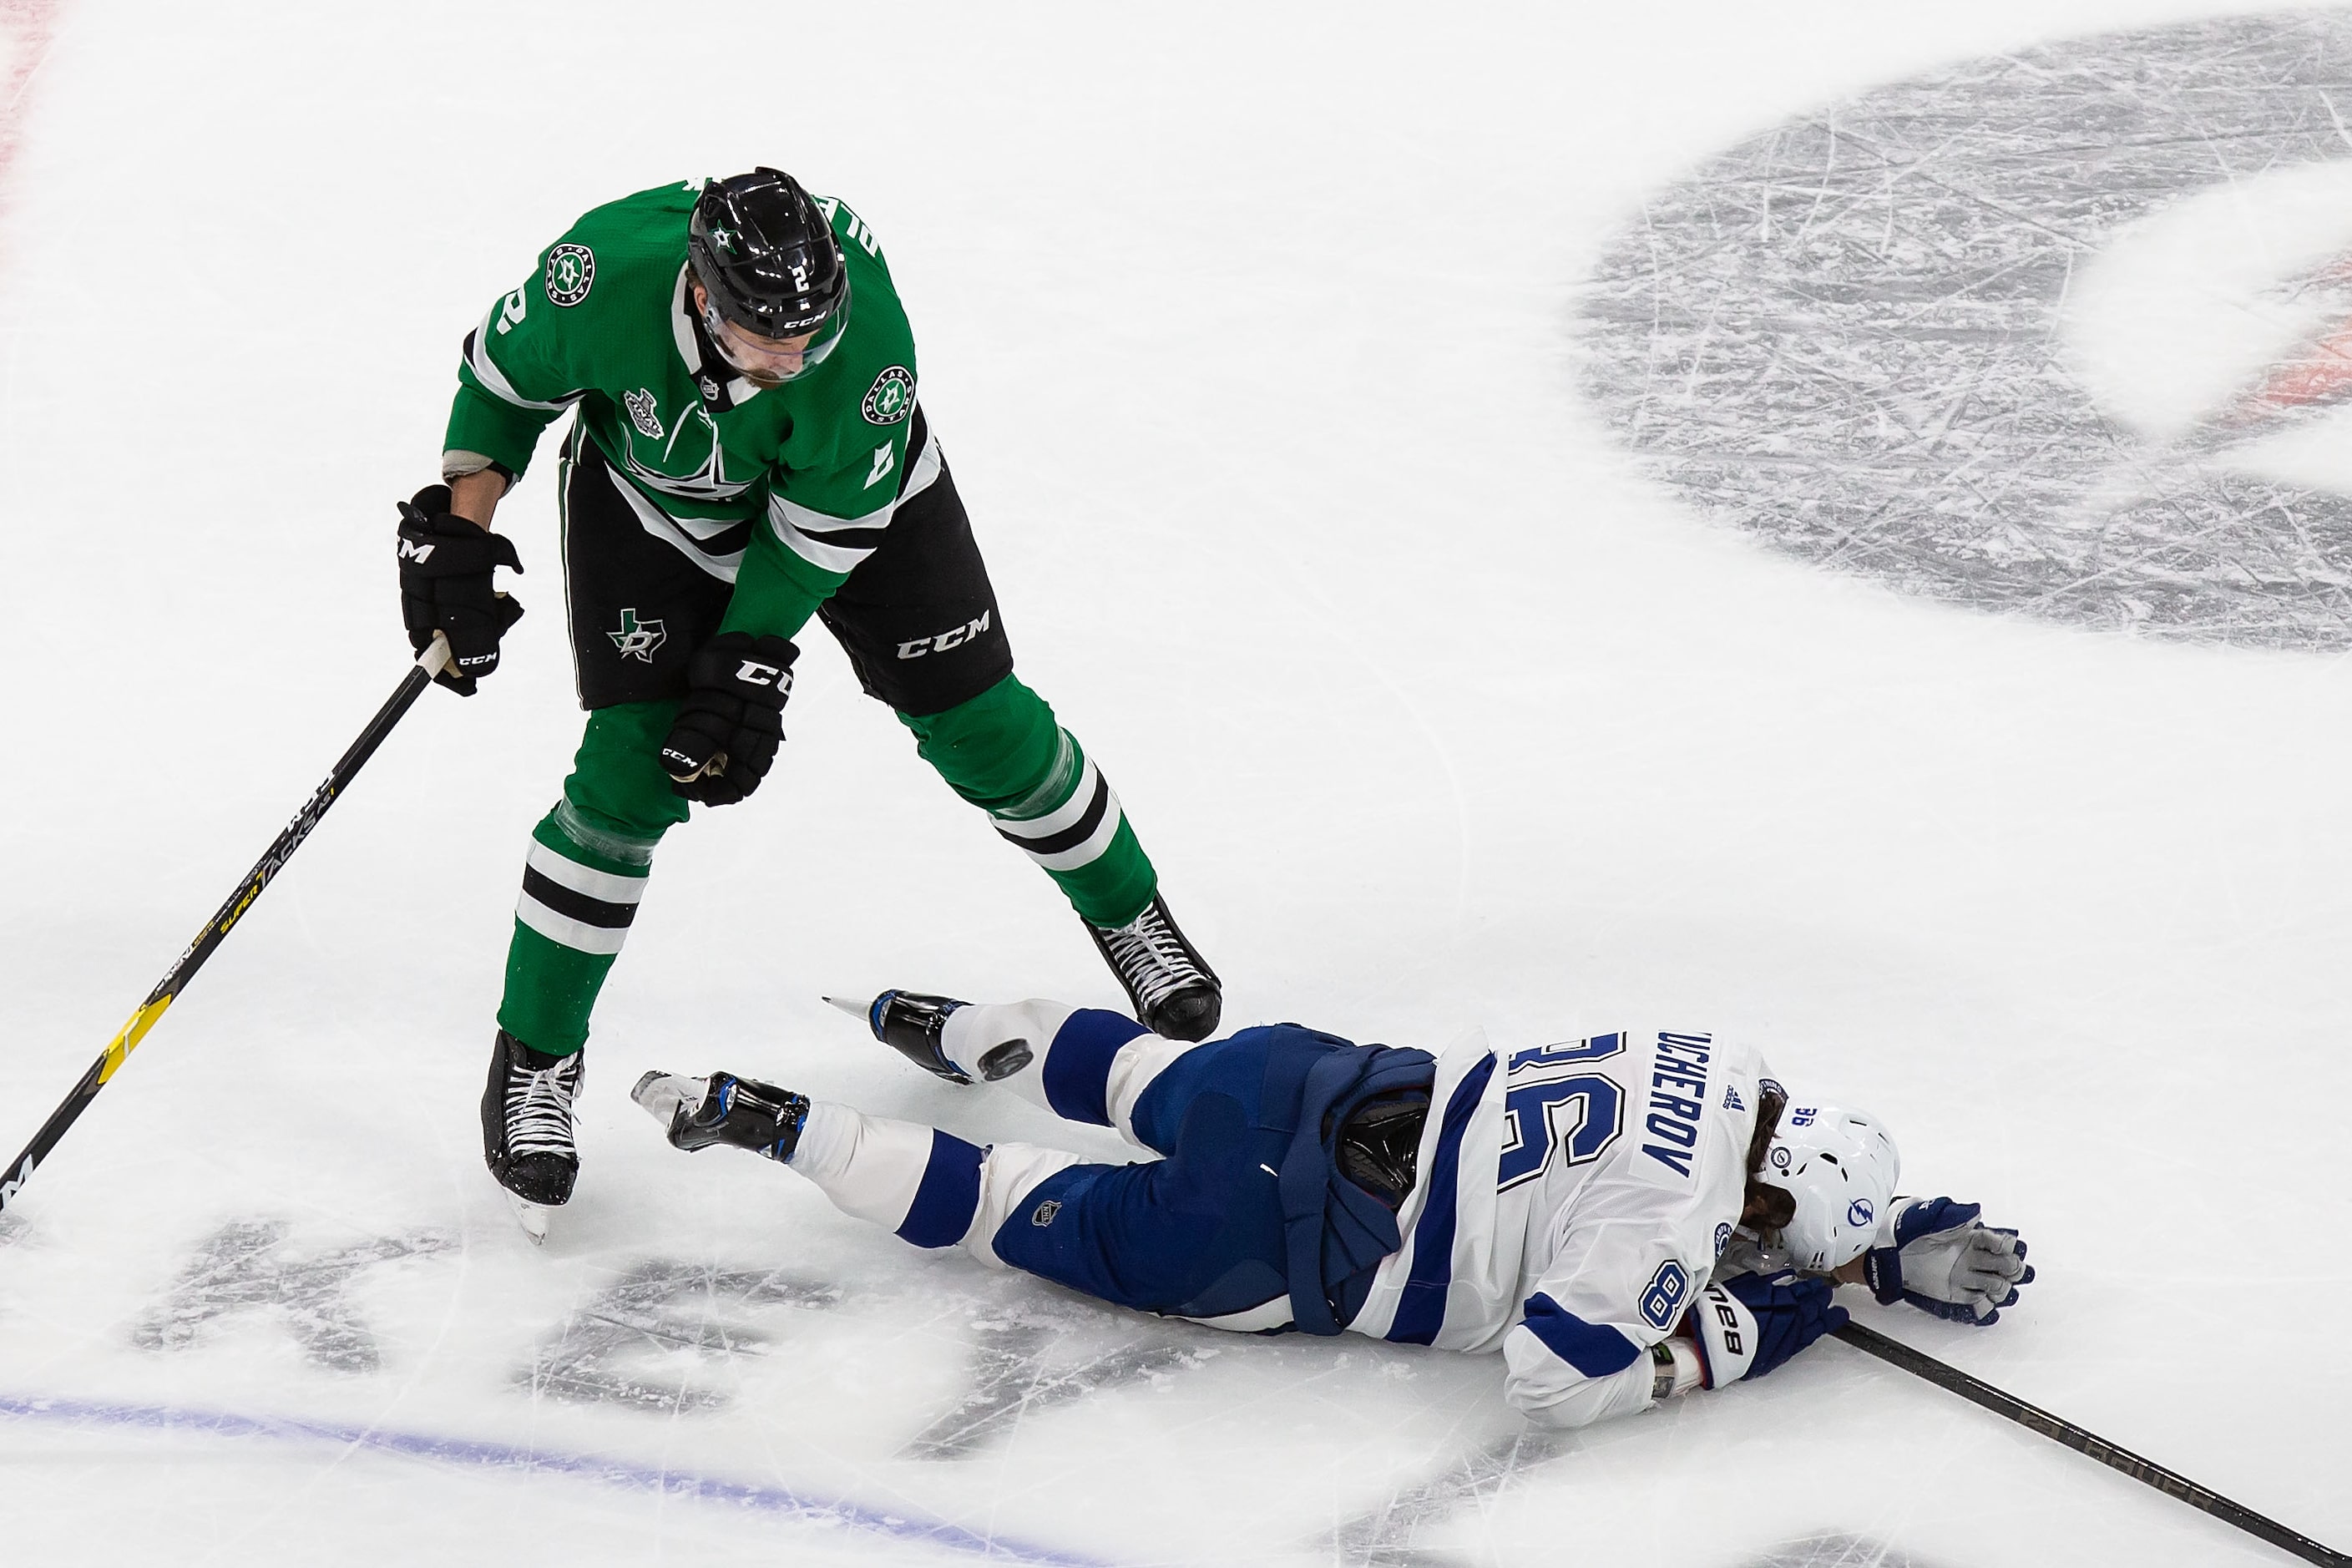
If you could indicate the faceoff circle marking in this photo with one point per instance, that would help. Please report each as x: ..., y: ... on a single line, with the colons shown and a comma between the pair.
x: 1845, y: 336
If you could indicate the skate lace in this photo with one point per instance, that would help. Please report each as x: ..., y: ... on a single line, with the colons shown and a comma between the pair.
x: 539, y: 1108
x: 1150, y: 959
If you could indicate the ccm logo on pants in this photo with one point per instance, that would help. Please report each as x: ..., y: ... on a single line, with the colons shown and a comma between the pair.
x: 947, y: 640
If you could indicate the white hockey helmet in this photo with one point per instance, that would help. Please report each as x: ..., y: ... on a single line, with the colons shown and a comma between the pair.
x: 1841, y: 1166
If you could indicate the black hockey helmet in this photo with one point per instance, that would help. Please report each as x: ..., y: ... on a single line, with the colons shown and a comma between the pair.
x: 766, y: 258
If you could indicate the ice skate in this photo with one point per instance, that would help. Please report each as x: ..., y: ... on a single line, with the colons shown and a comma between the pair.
x: 723, y: 1108
x: 527, y: 1128
x: 1173, y: 992
x: 914, y: 1025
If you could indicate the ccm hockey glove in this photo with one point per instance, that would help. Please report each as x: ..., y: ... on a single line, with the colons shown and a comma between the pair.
x: 732, y: 720
x: 1936, y: 1256
x: 1750, y: 1323
x: 445, y: 586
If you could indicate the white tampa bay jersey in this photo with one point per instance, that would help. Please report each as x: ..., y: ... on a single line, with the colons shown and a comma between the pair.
x: 1577, y: 1192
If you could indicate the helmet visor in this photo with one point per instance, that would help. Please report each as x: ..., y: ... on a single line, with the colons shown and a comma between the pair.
x: 772, y: 361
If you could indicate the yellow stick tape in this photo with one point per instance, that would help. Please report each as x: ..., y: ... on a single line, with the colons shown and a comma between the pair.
x: 132, y: 1033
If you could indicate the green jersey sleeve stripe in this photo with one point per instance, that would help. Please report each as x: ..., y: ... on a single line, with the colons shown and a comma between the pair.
x: 839, y: 543
x: 688, y: 535
x: 494, y: 380
x: 801, y: 530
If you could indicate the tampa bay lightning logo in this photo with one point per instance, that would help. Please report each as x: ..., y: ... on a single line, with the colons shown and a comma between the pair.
x: 1722, y: 1238
x: 1859, y: 1213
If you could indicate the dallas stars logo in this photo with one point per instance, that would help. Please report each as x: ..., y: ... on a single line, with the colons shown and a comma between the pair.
x: 891, y: 397
x: 571, y: 273
x: 638, y: 640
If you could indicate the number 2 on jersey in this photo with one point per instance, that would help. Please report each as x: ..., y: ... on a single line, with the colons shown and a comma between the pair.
x: 1578, y: 1115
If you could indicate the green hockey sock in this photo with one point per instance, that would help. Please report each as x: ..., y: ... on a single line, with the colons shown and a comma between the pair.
x: 1004, y: 754
x: 586, y: 871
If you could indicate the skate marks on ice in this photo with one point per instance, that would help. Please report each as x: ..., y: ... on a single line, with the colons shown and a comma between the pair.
x: 1834, y: 1550
x: 657, y: 1337
x: 247, y: 1267
x: 667, y: 1337
x: 1029, y: 1354
x: 1846, y: 335
x: 1391, y: 1535
x: 1385, y: 1537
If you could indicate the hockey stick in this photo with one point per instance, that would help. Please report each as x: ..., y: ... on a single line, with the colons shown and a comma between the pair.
x: 2059, y: 1430
x: 429, y: 663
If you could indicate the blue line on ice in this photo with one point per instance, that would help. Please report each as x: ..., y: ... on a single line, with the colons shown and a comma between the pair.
x: 503, y: 1455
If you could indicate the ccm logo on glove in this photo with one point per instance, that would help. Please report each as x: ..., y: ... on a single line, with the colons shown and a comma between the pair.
x: 446, y: 564
x: 732, y: 719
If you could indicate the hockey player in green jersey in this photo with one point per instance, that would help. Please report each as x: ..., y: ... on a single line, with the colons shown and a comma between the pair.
x: 748, y: 450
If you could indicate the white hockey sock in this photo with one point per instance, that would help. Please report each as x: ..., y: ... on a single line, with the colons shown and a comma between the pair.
x: 1112, y: 1080
x: 932, y: 1188
x: 870, y: 1166
x: 972, y: 1031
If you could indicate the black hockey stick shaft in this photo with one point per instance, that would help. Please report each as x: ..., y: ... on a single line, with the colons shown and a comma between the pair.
x: 19, y: 1171
x: 2060, y: 1430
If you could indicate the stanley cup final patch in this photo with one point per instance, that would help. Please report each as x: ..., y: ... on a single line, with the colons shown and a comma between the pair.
x: 891, y: 397
x: 571, y: 273
x: 2061, y: 332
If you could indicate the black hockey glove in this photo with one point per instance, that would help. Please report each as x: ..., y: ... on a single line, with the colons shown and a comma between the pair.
x: 1750, y: 1323
x: 732, y: 720
x: 445, y: 586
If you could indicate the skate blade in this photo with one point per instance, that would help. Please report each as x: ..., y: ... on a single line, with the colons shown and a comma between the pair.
x: 665, y: 1096
x: 532, y: 1218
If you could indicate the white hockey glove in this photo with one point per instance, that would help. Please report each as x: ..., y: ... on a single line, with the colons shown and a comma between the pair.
x: 1935, y: 1255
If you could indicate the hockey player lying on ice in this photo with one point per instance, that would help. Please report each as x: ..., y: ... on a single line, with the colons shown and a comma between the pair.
x: 1627, y: 1218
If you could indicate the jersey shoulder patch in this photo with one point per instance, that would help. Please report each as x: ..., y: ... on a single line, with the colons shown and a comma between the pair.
x: 571, y: 273
x: 891, y: 397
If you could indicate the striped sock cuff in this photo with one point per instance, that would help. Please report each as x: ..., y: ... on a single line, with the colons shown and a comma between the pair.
x: 949, y: 1196
x: 574, y: 904
x: 1077, y: 831
x: 1076, y: 1072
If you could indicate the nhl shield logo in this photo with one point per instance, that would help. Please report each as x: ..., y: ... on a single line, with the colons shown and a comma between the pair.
x: 891, y: 397
x: 638, y: 640
x: 571, y: 273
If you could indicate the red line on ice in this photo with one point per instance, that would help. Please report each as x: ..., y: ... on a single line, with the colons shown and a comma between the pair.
x: 30, y: 24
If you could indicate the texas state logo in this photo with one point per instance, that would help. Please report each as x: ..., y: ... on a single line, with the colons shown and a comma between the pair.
x: 2065, y: 333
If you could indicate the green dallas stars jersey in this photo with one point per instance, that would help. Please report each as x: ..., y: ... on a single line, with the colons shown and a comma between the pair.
x: 814, y: 467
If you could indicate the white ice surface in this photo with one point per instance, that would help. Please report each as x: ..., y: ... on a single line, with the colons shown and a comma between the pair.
x: 1249, y: 329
